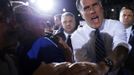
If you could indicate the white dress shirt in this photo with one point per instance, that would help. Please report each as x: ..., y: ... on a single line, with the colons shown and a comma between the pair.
x: 112, y: 27
x: 128, y: 32
x: 66, y: 35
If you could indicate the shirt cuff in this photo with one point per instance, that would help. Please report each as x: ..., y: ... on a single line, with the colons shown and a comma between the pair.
x: 125, y: 45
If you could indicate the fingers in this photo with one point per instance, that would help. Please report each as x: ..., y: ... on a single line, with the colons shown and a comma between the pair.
x: 80, y: 68
x: 51, y: 69
x: 66, y: 68
x: 45, y: 69
x: 61, y: 67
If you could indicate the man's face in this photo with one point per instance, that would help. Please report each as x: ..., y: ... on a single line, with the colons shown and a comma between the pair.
x: 126, y: 17
x: 92, y: 12
x: 57, y: 23
x: 68, y: 23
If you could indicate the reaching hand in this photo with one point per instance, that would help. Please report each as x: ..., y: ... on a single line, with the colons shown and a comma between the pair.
x: 66, y: 68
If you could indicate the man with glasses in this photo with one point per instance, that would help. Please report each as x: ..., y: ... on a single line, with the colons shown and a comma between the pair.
x: 100, y: 40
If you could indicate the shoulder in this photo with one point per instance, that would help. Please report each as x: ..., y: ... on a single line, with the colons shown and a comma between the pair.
x: 80, y: 36
x: 42, y: 39
x: 109, y: 23
x: 80, y: 30
x: 133, y: 27
x: 60, y: 33
x: 43, y: 42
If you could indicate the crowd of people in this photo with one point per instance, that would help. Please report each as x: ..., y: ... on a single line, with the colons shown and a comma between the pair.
x: 30, y: 46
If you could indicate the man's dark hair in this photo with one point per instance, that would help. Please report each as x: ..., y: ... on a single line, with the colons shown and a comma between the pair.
x: 57, y: 16
x: 78, y: 5
x: 67, y: 14
x: 25, y: 13
x: 127, y: 7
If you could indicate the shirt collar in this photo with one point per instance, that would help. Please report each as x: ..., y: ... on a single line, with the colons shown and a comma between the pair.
x: 66, y: 34
x: 101, y: 28
x: 129, y: 28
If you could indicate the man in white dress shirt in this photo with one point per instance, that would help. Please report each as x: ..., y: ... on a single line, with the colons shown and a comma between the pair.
x: 83, y: 39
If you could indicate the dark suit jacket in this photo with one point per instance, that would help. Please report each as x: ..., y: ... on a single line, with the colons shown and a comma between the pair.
x: 128, y: 68
x: 130, y: 61
x: 61, y: 34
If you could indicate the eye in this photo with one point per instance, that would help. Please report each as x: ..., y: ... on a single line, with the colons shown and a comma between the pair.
x: 86, y: 8
x: 89, y: 7
x: 95, y: 4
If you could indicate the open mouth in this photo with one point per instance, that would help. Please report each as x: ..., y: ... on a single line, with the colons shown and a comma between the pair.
x: 95, y: 19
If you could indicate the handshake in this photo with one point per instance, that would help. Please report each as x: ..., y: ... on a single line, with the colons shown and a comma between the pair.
x: 66, y: 68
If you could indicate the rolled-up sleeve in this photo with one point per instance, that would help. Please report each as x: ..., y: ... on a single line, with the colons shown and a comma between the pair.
x: 119, y: 36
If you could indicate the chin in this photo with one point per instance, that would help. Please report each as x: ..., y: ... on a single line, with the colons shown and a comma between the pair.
x: 95, y: 26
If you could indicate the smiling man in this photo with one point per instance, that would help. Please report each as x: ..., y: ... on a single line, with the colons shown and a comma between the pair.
x: 91, y: 42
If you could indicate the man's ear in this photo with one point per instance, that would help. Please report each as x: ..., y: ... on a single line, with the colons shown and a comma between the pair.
x: 81, y: 14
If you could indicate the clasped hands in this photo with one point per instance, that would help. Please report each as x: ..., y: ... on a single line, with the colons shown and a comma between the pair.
x: 66, y: 68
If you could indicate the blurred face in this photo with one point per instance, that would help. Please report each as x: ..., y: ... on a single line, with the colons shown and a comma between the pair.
x: 92, y: 12
x: 6, y: 40
x: 38, y: 28
x: 68, y: 23
x: 33, y: 25
x: 3, y: 30
x: 126, y: 17
x: 57, y: 21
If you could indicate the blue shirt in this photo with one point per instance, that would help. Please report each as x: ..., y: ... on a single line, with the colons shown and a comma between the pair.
x: 44, y: 49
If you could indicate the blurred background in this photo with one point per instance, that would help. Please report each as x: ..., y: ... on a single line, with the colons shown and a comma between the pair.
x: 48, y: 8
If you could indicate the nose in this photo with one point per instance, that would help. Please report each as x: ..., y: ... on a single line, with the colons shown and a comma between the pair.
x: 68, y: 23
x: 126, y: 17
x: 92, y: 10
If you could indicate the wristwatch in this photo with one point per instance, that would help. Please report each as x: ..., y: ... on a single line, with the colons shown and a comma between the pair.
x: 109, y: 63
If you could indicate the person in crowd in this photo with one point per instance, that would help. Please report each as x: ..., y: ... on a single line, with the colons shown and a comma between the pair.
x: 69, y: 25
x: 48, y: 28
x: 35, y: 47
x: 127, y: 18
x: 8, y: 40
x: 99, y: 40
x: 29, y: 29
x: 49, y: 49
x: 57, y: 22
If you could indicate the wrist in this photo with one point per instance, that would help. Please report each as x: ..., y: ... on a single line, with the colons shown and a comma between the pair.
x: 106, y: 65
x: 103, y: 67
x: 109, y: 63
